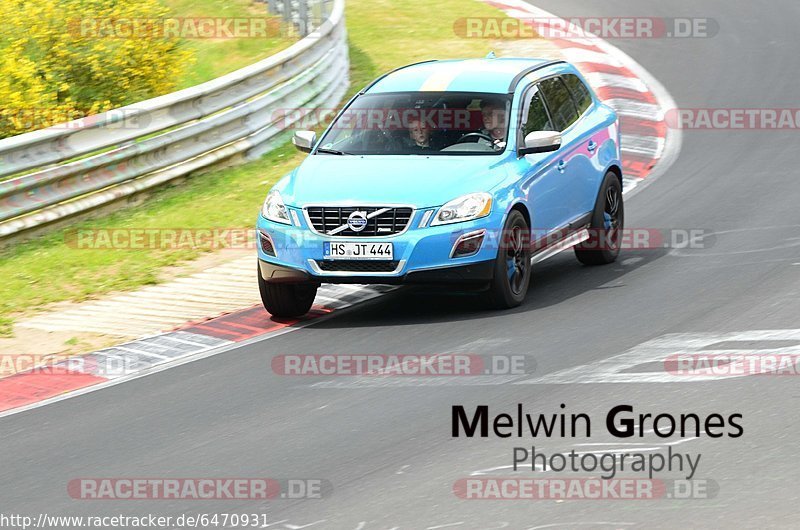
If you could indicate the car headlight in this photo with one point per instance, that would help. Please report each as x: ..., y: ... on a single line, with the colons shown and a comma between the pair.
x: 274, y: 209
x: 464, y: 208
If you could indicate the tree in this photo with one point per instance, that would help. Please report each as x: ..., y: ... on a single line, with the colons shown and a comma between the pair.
x: 66, y: 59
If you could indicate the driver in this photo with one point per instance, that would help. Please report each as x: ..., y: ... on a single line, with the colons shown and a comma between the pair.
x: 495, y: 120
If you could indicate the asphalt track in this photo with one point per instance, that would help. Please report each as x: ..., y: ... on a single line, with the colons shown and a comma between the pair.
x: 387, y: 449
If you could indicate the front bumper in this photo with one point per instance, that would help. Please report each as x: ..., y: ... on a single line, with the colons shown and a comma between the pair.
x: 459, y: 274
x: 421, y: 254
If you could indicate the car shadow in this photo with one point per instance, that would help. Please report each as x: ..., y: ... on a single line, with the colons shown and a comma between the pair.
x: 554, y: 281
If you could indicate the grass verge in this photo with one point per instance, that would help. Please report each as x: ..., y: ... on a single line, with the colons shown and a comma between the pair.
x: 383, y: 34
x: 216, y: 57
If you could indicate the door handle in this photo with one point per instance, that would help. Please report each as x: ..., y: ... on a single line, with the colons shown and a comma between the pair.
x: 591, y: 146
x: 561, y: 166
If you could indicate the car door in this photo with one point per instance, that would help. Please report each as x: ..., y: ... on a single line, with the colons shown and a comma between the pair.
x: 589, y: 135
x: 564, y: 113
x: 543, y: 175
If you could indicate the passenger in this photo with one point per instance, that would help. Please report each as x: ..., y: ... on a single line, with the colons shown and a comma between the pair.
x: 419, y: 134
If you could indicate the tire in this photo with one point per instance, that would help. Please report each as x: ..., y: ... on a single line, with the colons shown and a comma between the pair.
x: 608, y: 222
x: 512, y: 269
x: 286, y: 300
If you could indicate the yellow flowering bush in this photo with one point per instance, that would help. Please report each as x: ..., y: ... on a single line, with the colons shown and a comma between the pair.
x: 65, y: 59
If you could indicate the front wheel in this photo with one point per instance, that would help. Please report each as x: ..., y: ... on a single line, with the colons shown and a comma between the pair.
x: 286, y: 300
x: 512, y: 269
x: 608, y: 221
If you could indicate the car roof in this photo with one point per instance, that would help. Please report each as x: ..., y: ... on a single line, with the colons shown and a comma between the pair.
x: 463, y: 75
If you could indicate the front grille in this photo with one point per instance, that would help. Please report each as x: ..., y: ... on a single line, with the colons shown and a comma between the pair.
x: 326, y: 218
x: 357, y: 266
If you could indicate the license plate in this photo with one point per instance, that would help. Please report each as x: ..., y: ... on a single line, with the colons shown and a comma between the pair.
x: 353, y: 250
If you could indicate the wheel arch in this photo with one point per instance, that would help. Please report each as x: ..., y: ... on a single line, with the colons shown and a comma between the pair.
x: 523, y: 209
x: 520, y: 206
x: 615, y: 169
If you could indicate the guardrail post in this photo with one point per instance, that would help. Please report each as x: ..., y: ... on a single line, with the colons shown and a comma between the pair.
x: 287, y: 10
x: 302, y: 17
x: 313, y: 14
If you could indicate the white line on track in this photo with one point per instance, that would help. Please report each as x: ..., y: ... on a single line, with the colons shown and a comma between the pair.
x: 209, y: 351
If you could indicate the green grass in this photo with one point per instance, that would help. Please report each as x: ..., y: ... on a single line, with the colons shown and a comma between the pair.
x: 216, y: 57
x: 383, y: 34
x: 5, y: 326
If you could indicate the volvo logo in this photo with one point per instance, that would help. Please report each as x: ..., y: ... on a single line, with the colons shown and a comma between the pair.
x: 357, y: 221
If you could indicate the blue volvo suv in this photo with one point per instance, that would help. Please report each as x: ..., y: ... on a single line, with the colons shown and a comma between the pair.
x: 459, y: 172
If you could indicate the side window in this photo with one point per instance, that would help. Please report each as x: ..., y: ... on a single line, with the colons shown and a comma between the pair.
x: 558, y: 100
x: 580, y: 94
x: 536, y: 118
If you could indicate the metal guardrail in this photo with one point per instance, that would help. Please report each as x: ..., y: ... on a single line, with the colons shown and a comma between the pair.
x: 79, y: 166
x: 303, y: 14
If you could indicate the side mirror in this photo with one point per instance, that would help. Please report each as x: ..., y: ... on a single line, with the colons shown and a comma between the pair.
x: 304, y: 140
x: 540, y: 142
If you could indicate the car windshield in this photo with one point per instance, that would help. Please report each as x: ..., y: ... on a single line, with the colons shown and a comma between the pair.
x: 421, y: 123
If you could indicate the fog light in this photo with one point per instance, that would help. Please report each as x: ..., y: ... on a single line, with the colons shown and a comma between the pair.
x: 468, y: 244
x: 266, y: 243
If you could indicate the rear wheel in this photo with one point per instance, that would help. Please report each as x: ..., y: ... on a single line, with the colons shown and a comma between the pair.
x: 512, y: 270
x: 286, y: 300
x: 608, y: 221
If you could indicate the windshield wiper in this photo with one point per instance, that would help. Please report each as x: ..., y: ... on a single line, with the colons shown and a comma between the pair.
x: 331, y: 151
